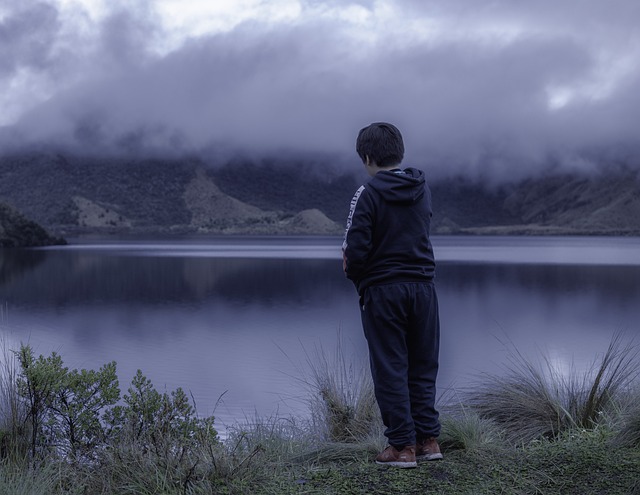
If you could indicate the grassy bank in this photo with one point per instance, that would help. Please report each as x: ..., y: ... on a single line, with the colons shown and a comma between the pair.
x: 529, y: 430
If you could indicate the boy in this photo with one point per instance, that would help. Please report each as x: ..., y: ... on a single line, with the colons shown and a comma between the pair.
x: 387, y: 254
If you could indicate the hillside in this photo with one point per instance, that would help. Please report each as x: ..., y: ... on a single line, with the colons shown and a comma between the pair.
x: 71, y: 195
x: 560, y: 204
x: 76, y: 195
x: 18, y: 231
x: 603, y: 205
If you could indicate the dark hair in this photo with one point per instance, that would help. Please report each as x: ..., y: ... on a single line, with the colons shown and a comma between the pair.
x: 382, y: 143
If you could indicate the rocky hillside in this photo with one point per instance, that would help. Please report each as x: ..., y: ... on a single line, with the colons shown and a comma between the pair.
x: 561, y: 204
x: 74, y: 195
x: 71, y: 195
x: 18, y: 231
x: 596, y: 205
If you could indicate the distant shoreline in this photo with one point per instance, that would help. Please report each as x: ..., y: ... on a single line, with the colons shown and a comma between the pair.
x: 494, y: 230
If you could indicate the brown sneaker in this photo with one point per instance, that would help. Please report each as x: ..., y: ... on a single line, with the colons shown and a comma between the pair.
x: 405, y: 458
x: 428, y: 450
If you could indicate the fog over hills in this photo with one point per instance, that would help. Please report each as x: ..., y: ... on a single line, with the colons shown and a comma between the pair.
x: 173, y: 116
x: 495, y: 90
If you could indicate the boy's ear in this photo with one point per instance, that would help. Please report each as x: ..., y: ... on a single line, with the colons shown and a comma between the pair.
x: 367, y: 160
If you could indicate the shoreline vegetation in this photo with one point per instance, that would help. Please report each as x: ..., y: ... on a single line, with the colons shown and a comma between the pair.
x: 18, y: 231
x: 533, y: 429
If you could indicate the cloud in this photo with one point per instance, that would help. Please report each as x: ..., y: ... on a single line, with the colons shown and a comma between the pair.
x: 498, y: 89
x: 26, y: 38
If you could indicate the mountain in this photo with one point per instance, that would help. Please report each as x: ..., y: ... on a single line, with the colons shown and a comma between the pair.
x: 605, y: 205
x: 562, y: 204
x: 69, y: 195
x: 75, y: 195
x: 554, y: 204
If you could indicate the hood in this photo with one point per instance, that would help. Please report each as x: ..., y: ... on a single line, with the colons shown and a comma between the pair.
x: 399, y: 186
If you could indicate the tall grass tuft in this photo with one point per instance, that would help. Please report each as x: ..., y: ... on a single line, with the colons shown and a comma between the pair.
x: 532, y: 400
x: 44, y: 479
x: 13, y: 431
x: 342, y: 401
x: 466, y: 430
x: 628, y: 432
x: 275, y: 439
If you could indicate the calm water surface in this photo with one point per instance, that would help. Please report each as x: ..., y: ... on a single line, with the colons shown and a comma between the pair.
x: 234, y: 320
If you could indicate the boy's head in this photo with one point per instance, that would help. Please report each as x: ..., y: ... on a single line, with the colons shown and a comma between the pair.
x: 382, y: 143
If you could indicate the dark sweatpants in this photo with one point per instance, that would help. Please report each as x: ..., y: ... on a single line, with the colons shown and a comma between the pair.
x: 402, y: 328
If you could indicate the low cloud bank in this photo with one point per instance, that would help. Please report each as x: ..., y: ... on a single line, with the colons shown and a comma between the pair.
x: 484, y: 89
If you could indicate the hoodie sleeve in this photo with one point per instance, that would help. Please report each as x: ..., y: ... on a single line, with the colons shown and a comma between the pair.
x: 356, y: 248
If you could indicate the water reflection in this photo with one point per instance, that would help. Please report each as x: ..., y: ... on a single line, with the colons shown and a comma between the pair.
x: 14, y: 262
x: 68, y: 278
x: 211, y: 323
x: 611, y: 284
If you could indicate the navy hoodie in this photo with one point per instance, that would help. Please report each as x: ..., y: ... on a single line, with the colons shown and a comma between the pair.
x: 387, y: 236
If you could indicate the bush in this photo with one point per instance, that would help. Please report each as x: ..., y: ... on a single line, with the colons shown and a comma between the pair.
x: 152, y: 442
x: 64, y: 407
x: 157, y: 443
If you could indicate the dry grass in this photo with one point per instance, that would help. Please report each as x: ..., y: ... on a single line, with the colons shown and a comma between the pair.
x: 466, y: 430
x: 342, y: 401
x: 628, y: 427
x: 532, y: 400
x: 13, y: 413
x: 576, y: 413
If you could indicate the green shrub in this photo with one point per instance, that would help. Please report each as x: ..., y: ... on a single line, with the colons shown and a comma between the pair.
x: 157, y: 443
x: 64, y: 407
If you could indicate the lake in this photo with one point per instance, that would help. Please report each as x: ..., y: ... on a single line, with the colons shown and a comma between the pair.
x: 233, y: 320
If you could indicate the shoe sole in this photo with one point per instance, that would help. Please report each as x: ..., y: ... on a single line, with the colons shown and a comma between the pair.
x: 398, y: 464
x: 429, y: 457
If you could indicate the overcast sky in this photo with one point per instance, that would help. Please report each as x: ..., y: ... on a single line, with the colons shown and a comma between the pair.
x: 502, y: 88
